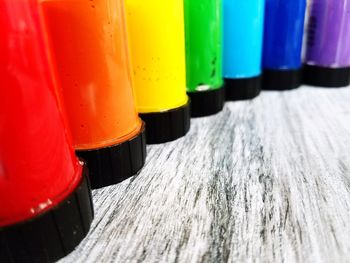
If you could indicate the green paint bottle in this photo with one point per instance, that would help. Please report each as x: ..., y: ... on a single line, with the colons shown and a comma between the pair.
x: 203, y: 26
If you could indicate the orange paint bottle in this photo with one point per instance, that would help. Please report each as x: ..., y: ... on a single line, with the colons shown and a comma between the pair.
x: 90, y: 49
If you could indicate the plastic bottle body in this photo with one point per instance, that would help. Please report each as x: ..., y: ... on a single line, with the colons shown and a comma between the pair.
x: 328, y: 43
x: 89, y: 42
x: 156, y: 34
x: 38, y: 168
x: 243, y: 36
x: 203, y: 24
x: 283, y: 34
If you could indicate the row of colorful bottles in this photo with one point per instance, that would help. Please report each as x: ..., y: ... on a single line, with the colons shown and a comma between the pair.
x: 78, y: 75
x: 264, y: 50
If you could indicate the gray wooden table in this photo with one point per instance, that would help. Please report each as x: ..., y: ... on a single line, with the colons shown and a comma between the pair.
x: 265, y: 180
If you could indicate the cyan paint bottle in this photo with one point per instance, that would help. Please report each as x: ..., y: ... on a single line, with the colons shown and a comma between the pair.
x: 283, y: 39
x: 243, y: 37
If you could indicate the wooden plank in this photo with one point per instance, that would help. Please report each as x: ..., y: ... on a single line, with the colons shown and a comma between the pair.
x: 265, y: 180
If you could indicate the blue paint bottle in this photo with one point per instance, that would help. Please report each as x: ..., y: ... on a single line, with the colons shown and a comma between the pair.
x: 283, y: 39
x: 243, y: 39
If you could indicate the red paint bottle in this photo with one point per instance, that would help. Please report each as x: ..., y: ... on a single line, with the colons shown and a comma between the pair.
x: 45, y: 200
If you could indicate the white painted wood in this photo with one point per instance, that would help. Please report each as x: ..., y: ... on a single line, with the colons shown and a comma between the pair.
x: 264, y: 181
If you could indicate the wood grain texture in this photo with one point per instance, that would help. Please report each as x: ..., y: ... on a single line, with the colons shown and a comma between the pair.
x: 266, y: 180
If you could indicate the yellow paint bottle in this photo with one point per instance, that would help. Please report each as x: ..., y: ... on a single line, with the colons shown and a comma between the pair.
x: 156, y: 37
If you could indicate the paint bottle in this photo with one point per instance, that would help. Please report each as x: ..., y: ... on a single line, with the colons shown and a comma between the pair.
x: 243, y: 41
x: 203, y: 28
x: 89, y: 44
x: 45, y: 199
x: 327, y: 58
x: 283, y: 40
x: 157, y: 40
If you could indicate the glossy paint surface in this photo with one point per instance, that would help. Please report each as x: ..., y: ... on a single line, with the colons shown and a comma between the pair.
x: 90, y: 49
x: 203, y: 24
x: 283, y: 34
x: 243, y: 37
x: 328, y: 41
x: 157, y: 40
x: 38, y: 168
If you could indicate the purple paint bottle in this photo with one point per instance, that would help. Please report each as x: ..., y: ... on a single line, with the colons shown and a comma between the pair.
x: 327, y: 58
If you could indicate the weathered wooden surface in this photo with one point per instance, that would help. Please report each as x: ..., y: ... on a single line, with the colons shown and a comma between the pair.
x: 266, y: 180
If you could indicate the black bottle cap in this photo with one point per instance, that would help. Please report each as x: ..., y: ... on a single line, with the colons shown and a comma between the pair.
x: 114, y: 164
x: 206, y: 103
x: 242, y: 89
x: 281, y: 79
x: 53, y: 234
x: 326, y: 77
x: 168, y: 125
